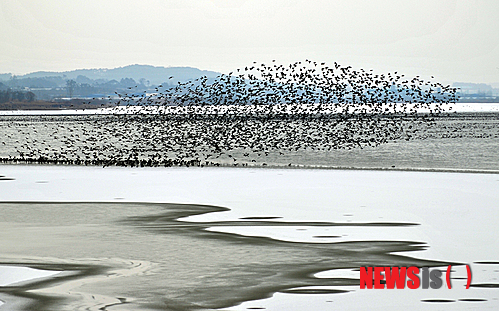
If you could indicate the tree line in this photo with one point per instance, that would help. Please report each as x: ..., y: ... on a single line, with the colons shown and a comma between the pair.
x: 20, y: 96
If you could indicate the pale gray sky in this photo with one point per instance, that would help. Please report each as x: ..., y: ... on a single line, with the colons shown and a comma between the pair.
x: 454, y: 40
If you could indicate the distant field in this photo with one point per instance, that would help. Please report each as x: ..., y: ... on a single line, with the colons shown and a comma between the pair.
x: 49, y: 105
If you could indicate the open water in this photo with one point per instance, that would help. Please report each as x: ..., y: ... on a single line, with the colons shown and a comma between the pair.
x: 204, y: 238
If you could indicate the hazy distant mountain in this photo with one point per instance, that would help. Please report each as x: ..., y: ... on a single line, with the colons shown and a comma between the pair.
x: 473, y: 86
x: 155, y: 75
x: 5, y: 76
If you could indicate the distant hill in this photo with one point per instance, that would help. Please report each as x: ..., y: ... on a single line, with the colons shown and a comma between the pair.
x: 5, y: 76
x: 155, y: 75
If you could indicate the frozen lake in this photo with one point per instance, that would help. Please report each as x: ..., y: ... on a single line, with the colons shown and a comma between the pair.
x: 459, y: 107
x: 245, y: 234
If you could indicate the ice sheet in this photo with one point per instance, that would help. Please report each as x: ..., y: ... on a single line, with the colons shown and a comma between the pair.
x: 455, y: 213
x: 13, y: 274
x: 458, y: 107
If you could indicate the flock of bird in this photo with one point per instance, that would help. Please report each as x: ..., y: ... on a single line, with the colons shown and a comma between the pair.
x: 314, y: 86
x: 257, y: 112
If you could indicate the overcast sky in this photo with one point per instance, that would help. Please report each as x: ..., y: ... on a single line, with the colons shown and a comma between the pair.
x: 454, y: 40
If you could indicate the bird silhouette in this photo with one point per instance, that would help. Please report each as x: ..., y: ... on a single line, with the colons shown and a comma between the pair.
x: 258, y: 115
